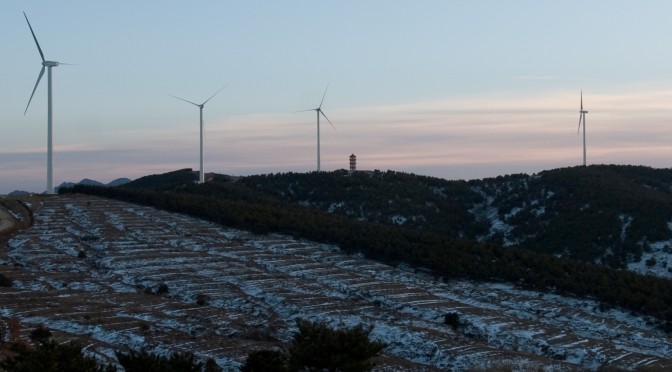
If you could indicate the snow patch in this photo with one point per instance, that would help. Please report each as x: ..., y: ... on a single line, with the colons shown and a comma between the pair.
x: 626, y: 221
x: 334, y: 206
x: 398, y: 219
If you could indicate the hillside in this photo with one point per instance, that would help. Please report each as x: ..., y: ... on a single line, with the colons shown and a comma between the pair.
x: 244, y: 204
x: 616, y: 215
x: 91, y: 269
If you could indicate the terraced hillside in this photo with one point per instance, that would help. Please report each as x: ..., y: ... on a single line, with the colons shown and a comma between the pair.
x: 92, y: 269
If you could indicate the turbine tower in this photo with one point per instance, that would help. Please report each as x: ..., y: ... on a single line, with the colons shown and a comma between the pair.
x: 50, y: 112
x: 201, y: 175
x: 582, y: 117
x: 319, y: 112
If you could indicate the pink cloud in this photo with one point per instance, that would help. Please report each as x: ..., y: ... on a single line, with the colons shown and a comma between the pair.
x: 452, y: 138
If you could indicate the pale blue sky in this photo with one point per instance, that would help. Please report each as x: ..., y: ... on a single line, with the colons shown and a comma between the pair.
x: 453, y: 89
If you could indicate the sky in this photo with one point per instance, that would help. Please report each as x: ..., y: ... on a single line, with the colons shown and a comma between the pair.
x: 451, y: 89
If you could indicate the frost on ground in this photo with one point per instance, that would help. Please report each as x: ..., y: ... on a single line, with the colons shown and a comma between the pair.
x: 657, y: 260
x: 231, y: 292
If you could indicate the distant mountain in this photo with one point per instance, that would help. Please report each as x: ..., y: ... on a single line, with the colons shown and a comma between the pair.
x: 119, y: 182
x: 65, y: 185
x: 90, y: 182
x: 19, y: 193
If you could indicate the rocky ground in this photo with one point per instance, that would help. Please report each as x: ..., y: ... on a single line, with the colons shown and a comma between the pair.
x: 90, y: 269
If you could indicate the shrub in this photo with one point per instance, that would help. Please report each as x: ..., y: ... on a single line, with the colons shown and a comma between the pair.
x: 40, y: 335
x: 143, y: 361
x: 202, y: 299
x: 317, y: 347
x: 211, y: 366
x: 5, y: 281
x: 266, y: 361
x: 50, y: 356
x: 452, y: 319
x: 163, y: 288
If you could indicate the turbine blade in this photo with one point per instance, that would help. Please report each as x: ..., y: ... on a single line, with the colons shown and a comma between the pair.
x: 579, y: 129
x: 35, y: 38
x: 206, y: 101
x: 582, y: 100
x: 195, y: 104
x: 325, y: 116
x: 34, y: 89
x: 305, y: 110
x: 324, y: 95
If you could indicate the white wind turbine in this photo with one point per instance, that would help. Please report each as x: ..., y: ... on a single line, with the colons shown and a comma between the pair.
x: 50, y: 117
x: 582, y: 117
x: 319, y: 112
x: 201, y: 175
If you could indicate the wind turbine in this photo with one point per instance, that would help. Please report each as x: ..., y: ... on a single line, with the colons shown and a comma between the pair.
x: 319, y: 112
x: 582, y: 117
x: 201, y: 175
x: 50, y: 112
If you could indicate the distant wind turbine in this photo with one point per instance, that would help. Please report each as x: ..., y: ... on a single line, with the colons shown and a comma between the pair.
x: 319, y: 112
x: 582, y: 117
x: 201, y: 175
x: 50, y: 116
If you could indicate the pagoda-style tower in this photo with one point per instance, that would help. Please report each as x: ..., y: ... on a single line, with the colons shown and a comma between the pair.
x: 353, y: 163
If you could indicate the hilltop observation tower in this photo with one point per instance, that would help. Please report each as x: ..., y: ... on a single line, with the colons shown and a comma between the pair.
x: 353, y: 163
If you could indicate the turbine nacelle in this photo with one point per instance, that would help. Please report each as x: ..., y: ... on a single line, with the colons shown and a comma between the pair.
x: 50, y: 63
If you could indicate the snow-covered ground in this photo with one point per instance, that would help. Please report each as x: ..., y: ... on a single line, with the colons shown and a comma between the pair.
x: 252, y: 289
x: 657, y: 261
